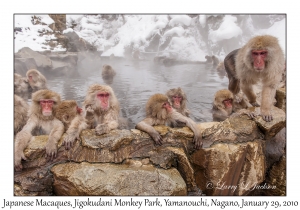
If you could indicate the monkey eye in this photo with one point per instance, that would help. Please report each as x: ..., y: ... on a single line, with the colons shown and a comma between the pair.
x: 103, y: 95
x: 179, y: 97
x: 43, y: 101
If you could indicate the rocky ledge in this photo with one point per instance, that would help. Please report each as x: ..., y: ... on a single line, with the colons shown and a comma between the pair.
x: 234, y: 160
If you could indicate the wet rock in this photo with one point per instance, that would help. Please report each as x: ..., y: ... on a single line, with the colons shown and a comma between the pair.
x: 281, y: 98
x: 275, y: 184
x: 270, y: 129
x: 275, y: 147
x: 235, y: 129
x: 34, y: 181
x: 128, y: 179
x: 229, y: 169
x: 233, y: 154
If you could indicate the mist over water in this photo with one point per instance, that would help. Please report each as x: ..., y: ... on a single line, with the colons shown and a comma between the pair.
x: 136, y: 81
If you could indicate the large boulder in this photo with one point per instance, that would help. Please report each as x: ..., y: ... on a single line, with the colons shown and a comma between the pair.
x: 130, y: 178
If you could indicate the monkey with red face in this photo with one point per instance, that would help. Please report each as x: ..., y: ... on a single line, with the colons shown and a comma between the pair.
x: 41, y: 115
x: 160, y: 112
x: 261, y: 59
x: 101, y: 109
x: 223, y: 105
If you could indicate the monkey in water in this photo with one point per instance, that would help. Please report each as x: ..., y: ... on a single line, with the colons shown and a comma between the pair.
x: 261, y: 59
x: 160, y: 112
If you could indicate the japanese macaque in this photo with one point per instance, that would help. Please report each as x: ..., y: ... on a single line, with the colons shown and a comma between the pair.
x: 101, y: 109
x: 74, y: 122
x: 20, y: 113
x: 21, y: 86
x: 41, y: 115
x: 160, y: 112
x: 260, y: 59
x: 220, y: 66
x: 223, y: 105
x: 36, y: 80
x: 108, y: 74
x: 178, y: 100
x: 215, y: 60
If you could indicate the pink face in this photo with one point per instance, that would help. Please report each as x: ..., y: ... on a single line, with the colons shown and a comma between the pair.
x: 46, y: 105
x: 227, y: 103
x: 79, y: 110
x: 30, y: 78
x: 177, y: 101
x: 259, y: 57
x: 167, y: 106
x: 103, y: 97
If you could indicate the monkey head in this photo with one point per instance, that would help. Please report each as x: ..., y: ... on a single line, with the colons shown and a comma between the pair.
x: 101, y: 98
x: 44, y: 104
x: 177, y: 97
x: 260, y: 50
x: 66, y: 111
x: 159, y: 107
x: 223, y: 99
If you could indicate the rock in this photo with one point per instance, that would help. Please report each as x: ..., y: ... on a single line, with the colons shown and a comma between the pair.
x: 229, y: 169
x: 22, y: 65
x: 235, y: 129
x: 77, y: 44
x: 42, y: 62
x: 281, y: 98
x: 233, y: 154
x: 276, y: 180
x: 275, y: 147
x: 270, y: 129
x: 131, y: 178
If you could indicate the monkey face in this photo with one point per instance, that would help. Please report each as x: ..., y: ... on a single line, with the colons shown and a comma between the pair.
x: 103, y: 98
x: 46, y: 105
x: 227, y: 103
x: 177, y: 101
x: 167, y: 106
x: 259, y: 57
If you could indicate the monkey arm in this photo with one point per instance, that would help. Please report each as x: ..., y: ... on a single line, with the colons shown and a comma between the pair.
x: 76, y: 126
x: 192, y: 125
x: 109, y: 122
x: 219, y: 114
x: 248, y: 91
x: 268, y: 94
x: 22, y: 140
x: 146, y: 126
x: 54, y: 136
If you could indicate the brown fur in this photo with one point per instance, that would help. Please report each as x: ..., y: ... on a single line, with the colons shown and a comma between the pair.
x: 219, y: 111
x: 38, y: 80
x: 179, y: 92
x: 21, y: 86
x: 20, y: 113
x: 108, y: 74
x: 50, y: 125
x: 156, y: 114
x: 73, y: 122
x: 239, y: 67
x: 103, y: 120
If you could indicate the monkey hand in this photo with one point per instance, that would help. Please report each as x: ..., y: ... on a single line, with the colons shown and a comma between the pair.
x: 266, y: 115
x: 198, y: 141
x: 51, y: 150
x: 69, y: 141
x: 89, y: 109
x: 101, y: 129
x: 18, y: 157
x: 156, y: 137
